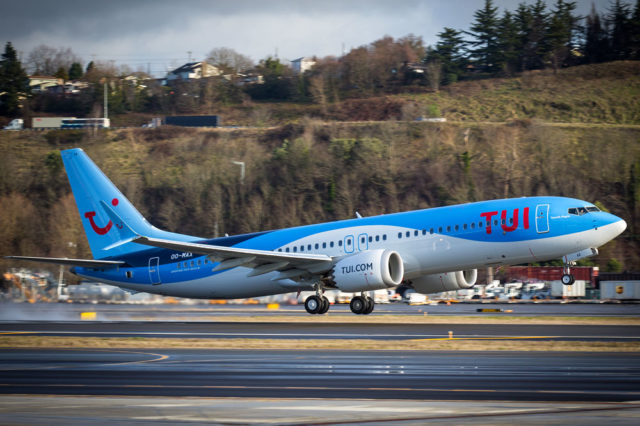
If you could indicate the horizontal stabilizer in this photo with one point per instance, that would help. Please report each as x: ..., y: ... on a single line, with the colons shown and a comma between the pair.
x: 86, y: 263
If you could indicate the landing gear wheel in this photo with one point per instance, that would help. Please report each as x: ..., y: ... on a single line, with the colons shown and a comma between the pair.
x: 358, y: 305
x: 370, y: 305
x: 313, y: 304
x: 568, y: 279
x: 325, y: 305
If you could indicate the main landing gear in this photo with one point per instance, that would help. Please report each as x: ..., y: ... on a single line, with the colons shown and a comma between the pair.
x: 317, y: 304
x: 362, y: 305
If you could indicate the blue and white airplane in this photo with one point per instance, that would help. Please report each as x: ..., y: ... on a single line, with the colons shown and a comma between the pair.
x: 431, y: 250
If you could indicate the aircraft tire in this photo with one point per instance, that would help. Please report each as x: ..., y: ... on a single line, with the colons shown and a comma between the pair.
x: 313, y: 304
x: 358, y: 305
x: 325, y: 305
x: 568, y: 279
x: 370, y: 305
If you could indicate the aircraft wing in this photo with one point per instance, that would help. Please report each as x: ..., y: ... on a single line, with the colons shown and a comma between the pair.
x: 290, y: 265
x: 87, y: 263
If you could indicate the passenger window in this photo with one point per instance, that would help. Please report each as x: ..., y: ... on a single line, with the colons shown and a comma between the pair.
x: 185, y: 264
x: 301, y: 248
x: 473, y: 225
x: 495, y: 222
x: 457, y: 227
x: 331, y: 244
x: 179, y: 265
x: 287, y: 249
x: 408, y: 234
x: 317, y: 246
x: 324, y: 245
x: 424, y: 232
x: 340, y: 243
x: 399, y: 234
x: 129, y: 274
x: 440, y: 230
x: 377, y: 237
x: 464, y: 226
x: 370, y: 239
x: 415, y: 233
x: 448, y: 228
x: 199, y: 262
x: 431, y: 231
x: 192, y: 264
x: 295, y: 249
x: 309, y: 247
x: 384, y: 237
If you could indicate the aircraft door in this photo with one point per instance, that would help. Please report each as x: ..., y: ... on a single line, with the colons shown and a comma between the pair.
x: 154, y: 270
x: 542, y: 218
x: 363, y: 242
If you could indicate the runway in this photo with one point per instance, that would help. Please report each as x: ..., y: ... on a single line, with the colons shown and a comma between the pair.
x: 317, y: 330
x: 497, y: 376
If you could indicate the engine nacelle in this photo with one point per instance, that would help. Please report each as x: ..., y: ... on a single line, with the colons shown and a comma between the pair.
x: 447, y: 281
x: 368, y: 270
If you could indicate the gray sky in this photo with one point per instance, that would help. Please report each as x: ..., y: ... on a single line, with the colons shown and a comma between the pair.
x: 159, y: 33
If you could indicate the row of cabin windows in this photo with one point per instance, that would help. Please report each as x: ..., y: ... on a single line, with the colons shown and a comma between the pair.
x: 324, y: 245
x: 455, y: 228
x: 407, y: 234
x: 193, y: 263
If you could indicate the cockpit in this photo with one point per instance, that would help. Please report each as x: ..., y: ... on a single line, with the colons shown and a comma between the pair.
x: 579, y: 211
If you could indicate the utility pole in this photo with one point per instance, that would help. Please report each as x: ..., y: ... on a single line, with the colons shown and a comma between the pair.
x: 106, y: 101
x: 241, y: 164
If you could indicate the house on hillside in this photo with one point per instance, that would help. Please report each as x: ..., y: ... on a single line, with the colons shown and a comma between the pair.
x: 192, y: 71
x: 300, y: 65
x: 40, y: 84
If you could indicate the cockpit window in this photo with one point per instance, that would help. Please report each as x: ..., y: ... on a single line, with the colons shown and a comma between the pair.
x: 579, y: 211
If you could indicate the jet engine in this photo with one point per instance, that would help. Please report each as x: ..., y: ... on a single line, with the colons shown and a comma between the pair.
x: 368, y: 270
x: 447, y: 281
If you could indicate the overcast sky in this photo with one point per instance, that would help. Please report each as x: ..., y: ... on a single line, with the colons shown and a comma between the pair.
x: 158, y: 34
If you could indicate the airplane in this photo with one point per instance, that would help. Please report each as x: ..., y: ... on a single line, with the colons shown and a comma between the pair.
x: 432, y: 250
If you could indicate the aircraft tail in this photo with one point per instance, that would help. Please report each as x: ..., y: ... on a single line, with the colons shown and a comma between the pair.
x: 108, y: 217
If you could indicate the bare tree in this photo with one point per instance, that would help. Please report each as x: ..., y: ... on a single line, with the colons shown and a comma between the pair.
x: 47, y: 60
x: 228, y: 60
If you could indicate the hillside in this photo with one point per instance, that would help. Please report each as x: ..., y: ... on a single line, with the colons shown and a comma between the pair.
x: 600, y: 93
x: 311, y: 170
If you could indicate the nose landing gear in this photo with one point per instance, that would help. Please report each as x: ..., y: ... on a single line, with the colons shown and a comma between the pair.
x: 567, y: 277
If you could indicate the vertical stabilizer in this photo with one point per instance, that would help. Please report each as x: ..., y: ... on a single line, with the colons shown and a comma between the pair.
x: 92, y: 189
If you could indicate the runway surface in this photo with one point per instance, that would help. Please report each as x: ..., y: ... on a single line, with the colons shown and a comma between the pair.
x: 200, y: 312
x: 312, y: 330
x: 497, y: 376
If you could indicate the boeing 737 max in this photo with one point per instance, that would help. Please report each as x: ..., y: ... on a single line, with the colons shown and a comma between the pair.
x: 431, y: 250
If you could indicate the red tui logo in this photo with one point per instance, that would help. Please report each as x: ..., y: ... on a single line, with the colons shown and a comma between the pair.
x: 97, y: 229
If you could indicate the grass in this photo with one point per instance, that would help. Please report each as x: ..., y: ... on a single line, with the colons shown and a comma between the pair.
x: 443, y: 344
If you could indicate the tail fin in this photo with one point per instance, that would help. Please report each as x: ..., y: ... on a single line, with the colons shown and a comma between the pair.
x: 92, y: 191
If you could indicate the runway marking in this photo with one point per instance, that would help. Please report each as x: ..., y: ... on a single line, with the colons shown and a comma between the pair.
x: 17, y: 332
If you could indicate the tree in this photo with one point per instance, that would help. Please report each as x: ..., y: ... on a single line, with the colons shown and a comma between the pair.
x: 75, y: 71
x: 485, y: 49
x: 620, y: 22
x: 596, y: 39
x: 449, y: 52
x: 229, y: 61
x: 46, y: 60
x: 509, y: 43
x: 14, y: 83
x: 635, y: 32
x: 560, y: 33
x: 533, y: 21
